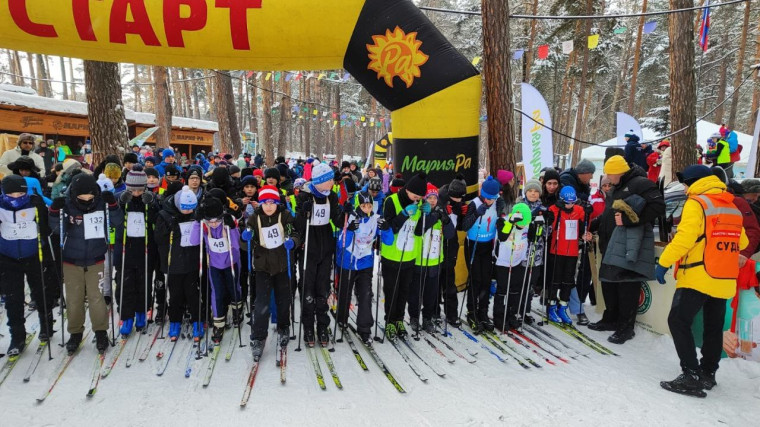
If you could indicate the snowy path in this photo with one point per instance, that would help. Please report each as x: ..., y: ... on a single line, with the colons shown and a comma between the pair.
x: 603, y: 390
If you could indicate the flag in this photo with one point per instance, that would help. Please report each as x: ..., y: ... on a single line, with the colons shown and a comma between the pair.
x: 593, y: 41
x: 543, y: 51
x: 567, y: 47
x: 704, y: 29
x: 518, y: 54
x: 620, y: 30
x: 650, y: 27
x: 476, y: 60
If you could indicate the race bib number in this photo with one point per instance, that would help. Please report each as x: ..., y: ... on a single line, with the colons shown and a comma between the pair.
x: 94, y: 226
x: 185, y: 229
x: 272, y: 236
x: 435, y: 245
x: 135, y: 224
x: 405, y: 236
x: 571, y: 229
x: 23, y: 230
x: 218, y: 246
x: 321, y: 214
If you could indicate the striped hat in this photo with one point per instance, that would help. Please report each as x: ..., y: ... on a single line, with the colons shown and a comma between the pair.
x: 136, y: 178
x: 269, y: 193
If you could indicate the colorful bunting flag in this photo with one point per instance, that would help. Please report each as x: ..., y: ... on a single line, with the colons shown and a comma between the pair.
x: 620, y: 30
x: 543, y: 51
x: 650, y: 26
x: 518, y: 54
x: 567, y: 47
x: 476, y: 60
x: 593, y: 41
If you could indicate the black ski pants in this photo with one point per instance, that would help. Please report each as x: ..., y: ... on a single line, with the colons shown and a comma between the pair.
x: 686, y: 305
x: 621, y: 301
x: 480, y: 270
x: 509, y: 290
x: 316, y: 291
x: 396, y: 280
x: 563, y: 276
x: 12, y: 286
x: 448, y: 287
x: 265, y: 282
x: 360, y: 282
x: 428, y: 289
x: 133, y: 299
x: 184, y: 294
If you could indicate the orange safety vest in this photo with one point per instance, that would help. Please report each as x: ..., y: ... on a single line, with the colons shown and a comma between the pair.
x: 722, y: 234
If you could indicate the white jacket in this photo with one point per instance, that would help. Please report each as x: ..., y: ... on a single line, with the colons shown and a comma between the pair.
x: 666, y: 172
x: 11, y: 156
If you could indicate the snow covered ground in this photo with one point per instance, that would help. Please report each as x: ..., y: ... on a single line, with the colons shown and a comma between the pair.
x: 598, y: 390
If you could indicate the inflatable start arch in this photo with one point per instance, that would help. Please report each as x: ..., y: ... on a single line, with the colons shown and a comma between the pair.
x: 389, y: 46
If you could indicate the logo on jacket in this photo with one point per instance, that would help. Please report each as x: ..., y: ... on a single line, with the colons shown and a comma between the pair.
x: 645, y: 299
x: 396, y: 54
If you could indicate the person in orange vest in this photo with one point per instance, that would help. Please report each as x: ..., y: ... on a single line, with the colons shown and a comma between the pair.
x: 705, y: 251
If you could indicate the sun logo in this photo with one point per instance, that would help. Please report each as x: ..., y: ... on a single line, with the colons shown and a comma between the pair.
x: 396, y: 54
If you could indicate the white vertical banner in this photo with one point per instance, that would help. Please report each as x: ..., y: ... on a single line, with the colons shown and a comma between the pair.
x: 626, y: 123
x: 537, y: 147
x: 750, y: 172
x: 567, y: 47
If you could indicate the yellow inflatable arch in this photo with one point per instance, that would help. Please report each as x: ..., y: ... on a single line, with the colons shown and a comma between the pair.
x: 389, y: 46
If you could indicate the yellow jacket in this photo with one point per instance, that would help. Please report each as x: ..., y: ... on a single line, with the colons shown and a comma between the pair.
x: 685, y: 247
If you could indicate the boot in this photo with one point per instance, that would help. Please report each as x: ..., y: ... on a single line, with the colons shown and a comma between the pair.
x: 140, y: 321
x: 487, y: 324
x: 707, y: 378
x: 126, y: 327
x: 257, y: 348
x: 283, y: 337
x: 602, y: 326
x: 414, y: 323
x: 197, y: 331
x: 174, y: 328
x: 621, y: 337
x: 18, y: 343
x: 562, y: 313
x: 454, y: 322
x: 217, y: 334
x: 582, y: 319
x: 390, y: 331
x: 472, y: 321
x: 528, y: 319
x: 43, y: 335
x: 101, y: 341
x: 428, y: 325
x: 552, y: 313
x: 237, y: 316
x: 308, y: 336
x: 687, y: 383
x: 73, y: 343
x: 401, y: 329
x: 323, y: 335
x: 365, y: 338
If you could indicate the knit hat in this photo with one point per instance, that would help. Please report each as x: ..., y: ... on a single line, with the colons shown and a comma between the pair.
x: 616, y: 165
x: 168, y: 152
x: 375, y: 184
x: 432, y: 190
x: 151, y: 172
x: 69, y: 165
x: 299, y: 183
x: 83, y: 183
x: 664, y: 143
x: 249, y: 180
x: 212, y: 208
x: 112, y: 171
x: 227, y: 157
x: 272, y: 173
x: 567, y: 194
x: 25, y: 137
x: 130, y: 158
x: 269, y: 193
x: 23, y: 163
x: 234, y: 169
x: 279, y: 159
x: 186, y: 200
x: 364, y: 197
x: 104, y: 183
x: 751, y: 185
x: 321, y: 173
x: 504, y: 176
x: 490, y: 188
x: 282, y: 168
x: 397, y: 183
x: 14, y: 184
x: 136, y: 178
x: 720, y: 173
x: 150, y: 159
x: 417, y: 184
x: 344, y: 165
x: 585, y: 166
x: 173, y: 188
x: 171, y: 170
x: 534, y: 185
x: 693, y: 173
x: 259, y: 173
x: 194, y: 170
x: 458, y: 187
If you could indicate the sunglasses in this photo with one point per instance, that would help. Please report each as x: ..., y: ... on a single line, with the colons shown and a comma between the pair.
x: 27, y: 142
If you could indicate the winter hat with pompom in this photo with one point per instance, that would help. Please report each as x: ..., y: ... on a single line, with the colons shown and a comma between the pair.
x: 186, y: 200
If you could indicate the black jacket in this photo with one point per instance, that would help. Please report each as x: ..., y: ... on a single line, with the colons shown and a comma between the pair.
x: 135, y: 246
x: 321, y: 237
x: 570, y: 178
x: 76, y: 249
x: 272, y: 261
x: 184, y: 260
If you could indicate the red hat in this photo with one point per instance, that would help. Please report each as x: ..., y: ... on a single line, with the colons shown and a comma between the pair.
x: 259, y: 173
x: 267, y: 193
x: 432, y: 190
x: 664, y: 143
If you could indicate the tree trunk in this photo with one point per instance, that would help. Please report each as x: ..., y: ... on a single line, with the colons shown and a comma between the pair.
x: 189, y: 107
x: 636, y: 56
x: 73, y: 80
x: 64, y: 84
x: 576, y: 153
x: 224, y: 102
x: 196, y: 104
x: 137, y: 93
x: 108, y: 126
x: 756, y: 86
x: 255, y: 110
x: 307, y: 121
x: 266, y: 109
x: 529, y: 54
x: 18, y: 70
x: 176, y: 92
x: 496, y: 69
x: 683, y: 106
x: 41, y: 76
x: 240, y: 103
x: 722, y: 82
x: 32, y: 78
x: 163, y: 107
x: 284, y: 108
x: 209, y: 94
x: 338, y: 129
x: 739, y: 69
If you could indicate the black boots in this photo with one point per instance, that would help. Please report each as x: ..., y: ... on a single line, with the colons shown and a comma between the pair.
x: 688, y: 383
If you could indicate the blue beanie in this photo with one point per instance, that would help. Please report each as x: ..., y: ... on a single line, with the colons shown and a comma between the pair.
x: 166, y: 153
x: 490, y: 188
x: 693, y: 173
x: 321, y: 174
x: 567, y: 194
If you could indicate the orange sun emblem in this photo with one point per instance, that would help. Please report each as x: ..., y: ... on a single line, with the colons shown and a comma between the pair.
x: 396, y: 54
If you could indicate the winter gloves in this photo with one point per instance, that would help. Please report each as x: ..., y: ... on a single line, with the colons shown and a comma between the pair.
x: 659, y: 273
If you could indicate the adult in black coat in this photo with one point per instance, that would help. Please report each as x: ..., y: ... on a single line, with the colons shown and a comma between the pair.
x: 579, y: 178
x: 636, y: 152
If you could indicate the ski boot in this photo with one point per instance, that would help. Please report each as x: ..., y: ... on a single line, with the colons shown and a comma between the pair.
x: 562, y: 313
x: 43, y: 335
x: 414, y: 323
x: 323, y: 335
x: 453, y: 321
x: 582, y: 319
x: 602, y: 326
x: 140, y: 321
x: 707, y: 379
x: 217, y: 334
x: 473, y: 323
x: 428, y: 325
x: 390, y: 331
x: 366, y: 338
x: 197, y: 331
x: 528, y: 319
x: 308, y: 337
x: 401, y: 329
x: 257, y: 348
x: 31, y: 306
x: 687, y: 383
x: 283, y: 337
x: 101, y: 341
x: 18, y: 343
x: 73, y: 343
x: 487, y: 325
x: 126, y: 327
x: 174, y: 329
x: 621, y: 337
x: 552, y: 314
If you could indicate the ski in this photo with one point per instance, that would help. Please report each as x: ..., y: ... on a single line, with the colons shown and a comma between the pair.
x: 517, y: 335
x: 62, y: 369
x: 417, y: 354
x: 146, y: 351
x: 464, y: 343
x: 249, y: 384
x: 494, y: 342
x: 35, y: 361
x: 412, y: 366
x: 165, y: 362
x: 379, y: 362
x: 211, y: 365
x: 580, y: 336
x: 580, y: 339
x: 12, y: 360
x: 283, y: 363
x: 357, y: 355
x: 331, y: 367
x: 516, y: 350
x: 193, y: 355
x: 482, y: 345
x: 316, y: 367
x: 437, y: 350
x: 230, y: 347
x: 131, y: 358
x: 522, y: 343
x: 453, y: 350
x: 538, y: 329
x: 96, y: 374
x: 592, y: 341
x: 120, y: 346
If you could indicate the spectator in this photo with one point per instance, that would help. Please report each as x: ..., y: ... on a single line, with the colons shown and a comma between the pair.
x: 635, y: 151
x: 24, y: 147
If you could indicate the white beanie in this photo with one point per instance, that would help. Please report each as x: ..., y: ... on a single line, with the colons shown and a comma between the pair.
x: 185, y: 200
x: 104, y: 183
x: 321, y: 174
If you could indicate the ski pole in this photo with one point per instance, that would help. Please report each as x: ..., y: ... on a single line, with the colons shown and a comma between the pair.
x: 235, y: 286
x: 442, y: 313
x: 423, y: 272
x: 340, y: 273
x: 61, y: 243
x: 342, y: 287
x: 398, y: 275
x: 123, y: 256
x: 554, y: 268
x: 208, y: 289
x: 524, y: 302
x: 42, y: 279
x: 509, y: 284
x: 467, y: 290
x: 305, y: 266
x: 145, y: 274
x: 107, y: 272
x: 201, y: 325
x: 166, y: 281
x: 379, y: 284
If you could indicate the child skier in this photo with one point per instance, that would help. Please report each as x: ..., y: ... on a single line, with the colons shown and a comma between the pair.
x: 248, y: 197
x: 85, y: 238
x: 177, y: 236
x: 537, y: 246
x: 567, y: 221
x: 510, y: 254
x: 272, y: 236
